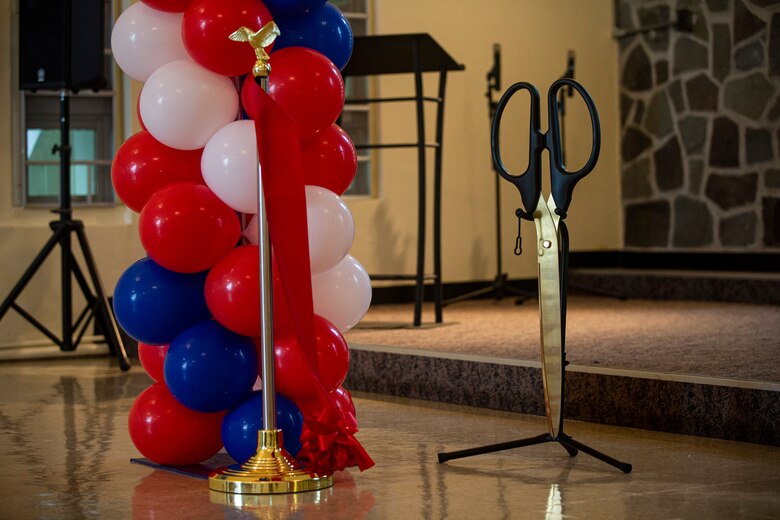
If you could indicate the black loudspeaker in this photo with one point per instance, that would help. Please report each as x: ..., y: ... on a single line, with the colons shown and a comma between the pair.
x: 61, y: 44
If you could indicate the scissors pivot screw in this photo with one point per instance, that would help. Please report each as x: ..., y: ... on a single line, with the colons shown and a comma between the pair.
x: 547, y: 244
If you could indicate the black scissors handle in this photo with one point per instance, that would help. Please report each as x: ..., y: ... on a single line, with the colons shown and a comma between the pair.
x: 528, y: 183
x: 562, y: 180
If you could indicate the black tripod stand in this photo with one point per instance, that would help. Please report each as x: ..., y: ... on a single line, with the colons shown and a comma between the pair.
x: 499, y: 288
x: 556, y: 433
x: 97, y: 306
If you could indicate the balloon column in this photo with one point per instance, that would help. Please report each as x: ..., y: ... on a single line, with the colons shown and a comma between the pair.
x: 191, y: 174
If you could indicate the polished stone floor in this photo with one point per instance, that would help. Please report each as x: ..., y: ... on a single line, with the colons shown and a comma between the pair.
x: 65, y: 454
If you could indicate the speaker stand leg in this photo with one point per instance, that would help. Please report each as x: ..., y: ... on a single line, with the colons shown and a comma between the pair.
x: 104, y: 316
x: 30, y: 272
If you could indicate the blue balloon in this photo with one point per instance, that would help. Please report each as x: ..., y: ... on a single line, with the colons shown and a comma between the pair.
x: 241, y: 424
x: 154, y: 305
x: 292, y: 7
x: 209, y: 368
x: 325, y: 30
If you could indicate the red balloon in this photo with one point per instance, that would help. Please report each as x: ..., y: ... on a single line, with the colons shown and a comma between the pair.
x: 306, y: 84
x: 207, y: 25
x: 332, y: 354
x: 292, y: 376
x: 172, y: 6
x: 152, y: 358
x: 233, y: 293
x: 340, y: 397
x: 167, y: 432
x: 343, y: 400
x: 250, y: 100
x: 329, y: 160
x: 143, y: 165
x: 185, y: 228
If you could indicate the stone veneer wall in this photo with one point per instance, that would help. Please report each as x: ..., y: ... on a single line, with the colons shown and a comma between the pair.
x: 700, y: 133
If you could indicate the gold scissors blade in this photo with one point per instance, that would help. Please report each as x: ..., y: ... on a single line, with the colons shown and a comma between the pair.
x: 548, y: 253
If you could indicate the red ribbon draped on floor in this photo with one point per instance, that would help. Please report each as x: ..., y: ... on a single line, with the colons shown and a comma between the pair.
x: 328, y: 437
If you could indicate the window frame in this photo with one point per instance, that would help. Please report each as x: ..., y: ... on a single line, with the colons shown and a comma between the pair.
x: 108, y: 133
x: 367, y: 156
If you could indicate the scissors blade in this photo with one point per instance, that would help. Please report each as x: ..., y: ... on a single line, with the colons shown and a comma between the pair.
x: 550, y: 311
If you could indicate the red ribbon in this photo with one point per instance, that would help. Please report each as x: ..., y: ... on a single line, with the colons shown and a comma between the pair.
x: 328, y: 437
x: 279, y: 151
x: 326, y: 449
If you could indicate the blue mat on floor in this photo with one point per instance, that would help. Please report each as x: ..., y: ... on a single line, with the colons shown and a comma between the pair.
x: 201, y: 471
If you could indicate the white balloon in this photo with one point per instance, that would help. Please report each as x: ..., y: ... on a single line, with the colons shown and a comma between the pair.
x: 144, y: 39
x: 342, y: 294
x: 331, y: 228
x: 183, y: 104
x: 251, y: 232
x: 229, y: 165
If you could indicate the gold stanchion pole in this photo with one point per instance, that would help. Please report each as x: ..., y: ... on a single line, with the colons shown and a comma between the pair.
x: 270, y: 470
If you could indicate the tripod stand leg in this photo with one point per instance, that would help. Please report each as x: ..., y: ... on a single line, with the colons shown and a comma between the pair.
x: 30, y: 272
x: 469, y: 295
x: 104, y: 316
x: 91, y: 309
x: 444, y: 457
x: 571, y: 450
x: 565, y: 440
x: 81, y: 280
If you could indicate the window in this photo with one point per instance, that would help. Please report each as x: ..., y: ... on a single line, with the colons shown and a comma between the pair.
x: 91, y: 139
x: 356, y: 119
x: 91, y: 120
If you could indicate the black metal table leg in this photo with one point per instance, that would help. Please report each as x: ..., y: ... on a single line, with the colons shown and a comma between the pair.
x: 421, y: 185
x: 438, y: 297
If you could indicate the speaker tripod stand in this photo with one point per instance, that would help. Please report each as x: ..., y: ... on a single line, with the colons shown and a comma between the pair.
x: 97, y: 306
x: 500, y: 287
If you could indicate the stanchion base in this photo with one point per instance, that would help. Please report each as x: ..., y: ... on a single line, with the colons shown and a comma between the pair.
x: 287, y: 503
x: 246, y: 483
x: 269, y: 471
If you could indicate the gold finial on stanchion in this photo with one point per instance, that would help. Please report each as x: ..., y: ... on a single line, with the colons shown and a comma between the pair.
x: 258, y: 40
x: 270, y: 470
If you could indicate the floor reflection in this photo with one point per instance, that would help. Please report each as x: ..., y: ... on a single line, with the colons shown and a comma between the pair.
x: 63, y: 432
x: 65, y: 451
x: 554, y: 504
x: 343, y: 500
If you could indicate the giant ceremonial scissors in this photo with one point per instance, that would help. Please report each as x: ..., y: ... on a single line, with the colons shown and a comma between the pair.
x: 552, y: 245
x: 552, y: 249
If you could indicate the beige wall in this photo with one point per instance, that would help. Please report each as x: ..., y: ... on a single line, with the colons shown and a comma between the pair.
x: 535, y: 36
